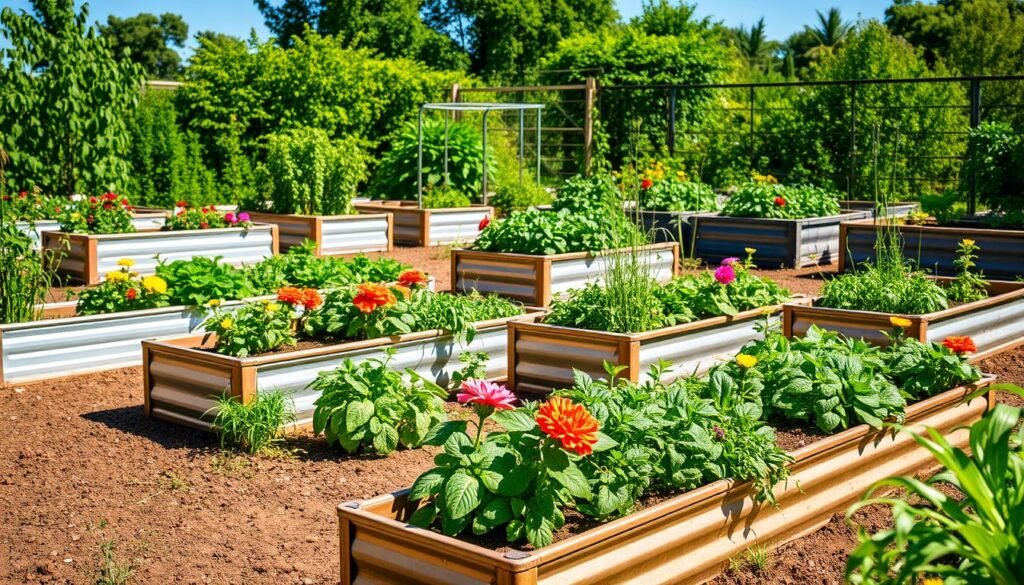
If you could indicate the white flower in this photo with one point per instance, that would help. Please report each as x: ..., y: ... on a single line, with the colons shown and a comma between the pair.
x: 77, y: 197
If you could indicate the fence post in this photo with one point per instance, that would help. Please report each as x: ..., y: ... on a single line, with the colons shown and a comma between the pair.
x: 589, y: 92
x: 851, y: 180
x: 455, y: 97
x: 972, y: 180
x: 672, y: 122
x: 753, y: 165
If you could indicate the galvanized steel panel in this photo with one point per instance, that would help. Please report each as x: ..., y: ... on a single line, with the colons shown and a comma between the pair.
x: 1001, y: 257
x: 513, y: 280
x: 235, y: 246
x: 989, y: 327
x: 456, y: 226
x: 349, y: 236
x: 577, y: 272
x: 142, y: 222
x: 545, y: 360
x: 667, y: 226
x: 694, y: 352
x: 407, y: 229
x: 434, y: 358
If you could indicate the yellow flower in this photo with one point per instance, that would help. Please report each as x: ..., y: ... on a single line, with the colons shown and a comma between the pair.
x: 126, y: 262
x: 213, y: 303
x: 900, y: 322
x: 932, y: 581
x: 227, y: 323
x: 272, y: 307
x: 154, y: 284
x: 746, y: 361
x: 117, y: 276
x: 750, y: 251
x: 967, y: 242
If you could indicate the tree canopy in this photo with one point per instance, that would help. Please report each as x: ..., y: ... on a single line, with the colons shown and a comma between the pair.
x: 149, y: 41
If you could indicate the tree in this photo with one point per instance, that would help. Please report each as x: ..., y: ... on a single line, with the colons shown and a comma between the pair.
x: 831, y: 31
x: 662, y: 18
x: 754, y: 46
x: 148, y: 40
x: 809, y: 45
x: 64, y: 100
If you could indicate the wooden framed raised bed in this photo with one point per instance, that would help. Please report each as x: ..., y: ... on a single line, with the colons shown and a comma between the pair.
x: 148, y: 220
x: 996, y: 324
x: 542, y: 357
x: 335, y: 235
x: 536, y: 279
x: 897, y: 209
x: 88, y: 257
x: 687, y: 539
x: 413, y: 226
x: 668, y: 226
x: 790, y: 243
x: 1000, y: 254
x: 182, y: 378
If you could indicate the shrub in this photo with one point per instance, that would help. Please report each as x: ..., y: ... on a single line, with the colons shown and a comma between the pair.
x: 995, y: 152
x: 772, y: 200
x: 368, y: 405
x: 972, y: 538
x: 308, y: 173
x: 396, y: 177
x: 108, y: 214
x: 256, y: 425
x: 518, y: 197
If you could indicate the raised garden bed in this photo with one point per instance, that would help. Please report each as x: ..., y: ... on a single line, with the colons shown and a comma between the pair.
x: 89, y: 256
x: 148, y: 220
x: 790, y: 243
x: 413, y: 226
x: 897, y: 209
x: 996, y: 324
x: 669, y: 226
x: 686, y: 539
x: 1000, y: 254
x: 182, y: 378
x: 334, y: 235
x: 537, y: 279
x: 542, y: 357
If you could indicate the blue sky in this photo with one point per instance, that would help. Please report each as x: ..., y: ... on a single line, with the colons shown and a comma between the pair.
x: 238, y: 17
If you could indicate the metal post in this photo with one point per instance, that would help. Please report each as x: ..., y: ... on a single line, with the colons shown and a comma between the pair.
x: 538, y: 146
x: 672, y: 122
x: 590, y: 89
x: 483, y: 163
x: 972, y: 180
x: 852, y: 178
x: 446, y: 114
x: 419, y: 154
x: 753, y: 165
x: 521, y: 146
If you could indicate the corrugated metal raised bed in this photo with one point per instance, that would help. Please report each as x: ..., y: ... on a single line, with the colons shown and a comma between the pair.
x: 1000, y: 254
x: 542, y: 357
x: 334, y: 235
x: 89, y: 256
x: 182, y: 381
x: 900, y: 208
x: 790, y: 243
x: 536, y: 279
x: 413, y: 226
x: 687, y: 539
x: 142, y: 221
x: 668, y: 226
x: 996, y: 324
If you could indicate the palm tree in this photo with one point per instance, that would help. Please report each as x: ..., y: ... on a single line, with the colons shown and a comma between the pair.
x: 754, y: 45
x: 831, y: 31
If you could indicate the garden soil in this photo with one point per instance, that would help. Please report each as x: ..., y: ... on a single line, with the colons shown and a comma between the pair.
x: 82, y: 470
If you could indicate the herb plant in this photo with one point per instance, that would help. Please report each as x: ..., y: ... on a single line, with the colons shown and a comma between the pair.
x: 513, y: 196
x: 367, y: 405
x: 969, y: 285
x: 25, y: 279
x: 976, y: 538
x: 771, y: 200
x: 444, y: 198
x: 676, y: 195
x: 197, y: 281
x: 888, y: 289
x: 256, y: 425
x: 924, y: 369
x: 252, y: 329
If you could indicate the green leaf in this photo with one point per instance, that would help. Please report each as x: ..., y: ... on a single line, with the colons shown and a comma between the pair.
x: 514, y: 420
x: 461, y: 494
x: 428, y: 483
x: 573, y: 480
x: 424, y: 516
x: 440, y: 433
x: 358, y: 414
x: 386, y: 441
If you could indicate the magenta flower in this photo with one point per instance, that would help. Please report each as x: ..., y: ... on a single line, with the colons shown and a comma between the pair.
x: 725, y: 274
x: 230, y: 217
x: 484, y: 393
x: 730, y: 261
x: 244, y: 216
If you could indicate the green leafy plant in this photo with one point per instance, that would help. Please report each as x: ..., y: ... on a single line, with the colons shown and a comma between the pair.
x: 924, y: 369
x: 123, y: 290
x: 676, y: 195
x: 25, y: 279
x: 474, y: 367
x: 367, y: 405
x: 308, y: 173
x: 252, y: 329
x: 396, y: 177
x: 25, y: 206
x: 969, y: 285
x: 199, y: 280
x: 971, y: 538
x: 444, y: 197
x: 187, y: 217
x: 254, y: 426
x: 892, y: 289
x: 107, y: 214
x: 516, y: 196
x: 767, y: 199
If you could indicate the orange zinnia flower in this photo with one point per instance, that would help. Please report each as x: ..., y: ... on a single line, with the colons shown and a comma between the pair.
x: 960, y: 344
x: 412, y: 278
x: 371, y: 296
x: 568, y: 423
x: 291, y: 295
x: 311, y: 299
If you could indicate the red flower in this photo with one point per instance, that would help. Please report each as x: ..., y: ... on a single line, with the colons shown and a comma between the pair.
x: 412, y: 278
x: 568, y: 423
x: 181, y: 204
x: 130, y: 294
x: 23, y: 194
x: 486, y: 221
x: 646, y: 184
x: 780, y: 202
x: 93, y: 200
x: 371, y: 296
x: 960, y: 344
x: 312, y: 299
x: 204, y: 225
x: 110, y: 196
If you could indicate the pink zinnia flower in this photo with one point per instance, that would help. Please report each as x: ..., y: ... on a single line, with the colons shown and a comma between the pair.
x: 484, y: 393
x: 244, y: 216
x: 724, y: 274
x: 730, y: 261
x: 230, y: 217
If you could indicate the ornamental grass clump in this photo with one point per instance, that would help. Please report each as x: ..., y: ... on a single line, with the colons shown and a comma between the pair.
x: 25, y: 279
x: 254, y: 426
